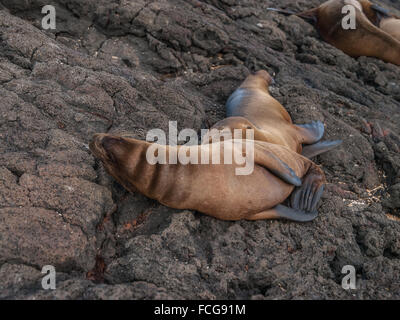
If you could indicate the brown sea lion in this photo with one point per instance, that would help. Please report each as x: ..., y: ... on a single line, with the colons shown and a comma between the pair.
x: 216, y: 189
x: 376, y: 33
x: 382, y: 18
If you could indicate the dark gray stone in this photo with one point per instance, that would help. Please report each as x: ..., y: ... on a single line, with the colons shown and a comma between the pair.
x: 131, y: 66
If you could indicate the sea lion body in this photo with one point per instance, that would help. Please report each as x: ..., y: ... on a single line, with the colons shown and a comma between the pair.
x: 213, y: 189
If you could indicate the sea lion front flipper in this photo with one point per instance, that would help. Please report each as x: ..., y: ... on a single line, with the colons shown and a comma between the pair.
x: 272, y: 163
x: 311, y: 132
x: 319, y: 147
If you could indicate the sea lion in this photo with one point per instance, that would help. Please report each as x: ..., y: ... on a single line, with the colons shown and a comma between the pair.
x: 376, y: 34
x: 382, y: 18
x: 216, y: 189
x: 252, y: 107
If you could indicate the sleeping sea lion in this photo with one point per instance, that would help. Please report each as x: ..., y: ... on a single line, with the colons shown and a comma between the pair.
x: 217, y: 189
x: 376, y: 33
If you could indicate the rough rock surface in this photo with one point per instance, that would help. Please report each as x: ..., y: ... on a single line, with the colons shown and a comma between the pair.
x: 131, y: 66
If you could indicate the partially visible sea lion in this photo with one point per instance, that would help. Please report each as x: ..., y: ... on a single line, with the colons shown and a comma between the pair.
x: 382, y: 18
x: 376, y: 34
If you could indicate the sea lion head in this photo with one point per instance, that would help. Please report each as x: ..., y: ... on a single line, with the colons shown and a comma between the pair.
x: 359, y: 4
x: 113, y: 152
x: 260, y: 79
x: 107, y: 148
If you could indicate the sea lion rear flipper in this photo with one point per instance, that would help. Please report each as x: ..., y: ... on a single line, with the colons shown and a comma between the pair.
x: 311, y: 132
x: 307, y: 196
x: 304, y: 200
x: 283, y: 212
x: 279, y: 168
x: 319, y: 147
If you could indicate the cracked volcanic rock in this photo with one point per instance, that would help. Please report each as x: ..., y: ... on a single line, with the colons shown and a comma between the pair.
x: 130, y: 66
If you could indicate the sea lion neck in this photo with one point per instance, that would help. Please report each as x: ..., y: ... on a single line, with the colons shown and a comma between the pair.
x: 119, y: 155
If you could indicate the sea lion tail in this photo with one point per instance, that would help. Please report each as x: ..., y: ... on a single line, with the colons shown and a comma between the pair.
x: 310, y: 15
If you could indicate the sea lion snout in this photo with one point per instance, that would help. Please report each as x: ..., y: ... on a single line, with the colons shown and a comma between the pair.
x: 95, y: 145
